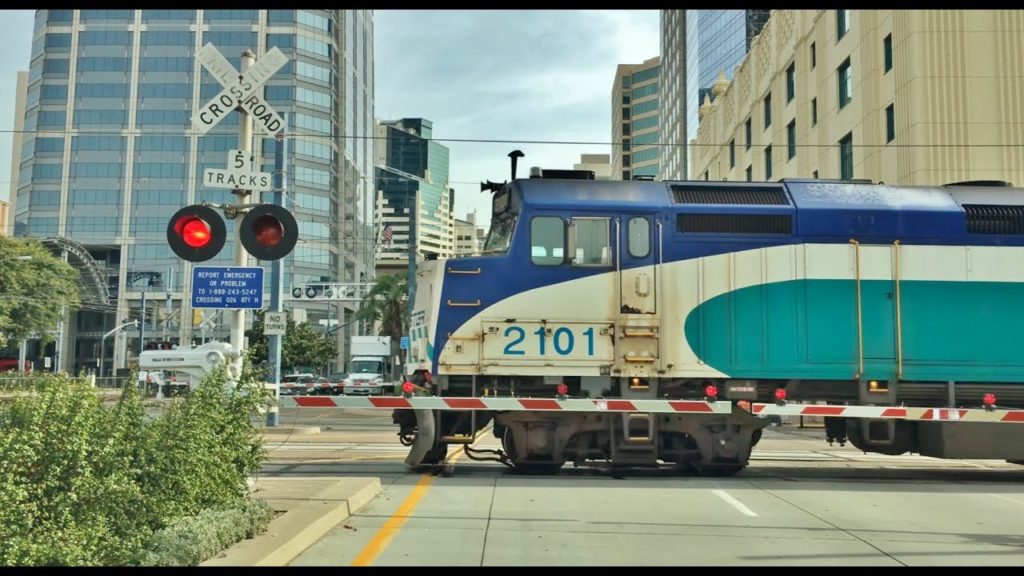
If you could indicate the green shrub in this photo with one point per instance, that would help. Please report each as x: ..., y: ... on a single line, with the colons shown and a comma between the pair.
x: 189, y: 541
x: 86, y: 484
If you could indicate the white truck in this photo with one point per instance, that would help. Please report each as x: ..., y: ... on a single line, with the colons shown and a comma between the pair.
x: 369, y: 366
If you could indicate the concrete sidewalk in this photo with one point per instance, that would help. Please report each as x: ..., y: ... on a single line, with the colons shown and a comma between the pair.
x: 311, y: 506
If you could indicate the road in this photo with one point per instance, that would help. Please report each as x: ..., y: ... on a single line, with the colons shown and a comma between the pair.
x: 801, y: 502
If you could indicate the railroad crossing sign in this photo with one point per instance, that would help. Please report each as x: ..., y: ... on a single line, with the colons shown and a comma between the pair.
x: 240, y: 90
x: 239, y: 175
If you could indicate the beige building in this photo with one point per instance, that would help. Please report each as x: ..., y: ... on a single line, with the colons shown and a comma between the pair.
x: 919, y: 97
x: 7, y: 210
x: 469, y: 238
x: 600, y: 164
x: 635, y: 120
x: 5, y: 219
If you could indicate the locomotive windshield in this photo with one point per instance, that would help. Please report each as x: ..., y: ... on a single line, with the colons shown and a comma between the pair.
x: 500, y: 235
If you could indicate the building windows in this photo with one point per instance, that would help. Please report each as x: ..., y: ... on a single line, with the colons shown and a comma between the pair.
x: 791, y: 139
x: 312, y: 71
x: 842, y: 23
x: 645, y: 123
x: 625, y: 113
x: 814, y: 56
x: 625, y: 129
x: 767, y: 110
x: 814, y: 111
x: 625, y: 174
x: 626, y: 160
x: 887, y: 52
x: 791, y: 82
x: 845, y: 83
x: 627, y: 145
x: 768, y: 162
x: 732, y: 153
x: 890, y: 123
x: 645, y: 155
x: 750, y: 173
x: 846, y: 157
x: 748, y: 130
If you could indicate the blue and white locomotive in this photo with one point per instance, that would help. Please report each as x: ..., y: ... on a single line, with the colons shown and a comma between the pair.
x: 845, y: 293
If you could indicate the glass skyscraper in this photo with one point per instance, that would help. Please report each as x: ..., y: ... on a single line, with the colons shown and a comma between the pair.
x: 412, y: 177
x: 109, y: 152
x: 715, y: 41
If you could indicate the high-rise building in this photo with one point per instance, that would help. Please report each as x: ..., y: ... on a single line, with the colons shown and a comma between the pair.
x: 599, y: 164
x: 109, y: 152
x: 7, y: 211
x: 865, y: 94
x: 635, y: 140
x: 414, y: 202
x: 697, y: 47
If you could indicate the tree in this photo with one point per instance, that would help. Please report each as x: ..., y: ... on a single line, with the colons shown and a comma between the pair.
x: 386, y: 303
x: 303, y: 346
x: 34, y: 292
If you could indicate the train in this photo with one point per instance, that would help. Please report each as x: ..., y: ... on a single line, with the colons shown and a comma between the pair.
x: 671, y: 294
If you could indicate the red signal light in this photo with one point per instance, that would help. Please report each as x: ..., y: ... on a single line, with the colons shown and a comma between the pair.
x: 408, y: 387
x: 562, y: 389
x: 195, y: 232
x: 268, y: 230
x: 780, y: 394
x: 711, y: 391
x: 989, y: 399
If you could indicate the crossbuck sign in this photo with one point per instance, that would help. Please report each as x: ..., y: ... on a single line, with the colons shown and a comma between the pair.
x: 239, y: 90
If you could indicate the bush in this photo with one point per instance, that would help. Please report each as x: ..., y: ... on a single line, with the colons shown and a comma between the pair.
x: 192, y: 540
x: 85, y: 484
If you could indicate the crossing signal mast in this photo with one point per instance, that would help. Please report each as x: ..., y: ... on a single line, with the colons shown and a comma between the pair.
x: 268, y: 232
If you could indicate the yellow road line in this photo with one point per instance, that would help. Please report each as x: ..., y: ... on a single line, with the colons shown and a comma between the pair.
x: 387, y: 532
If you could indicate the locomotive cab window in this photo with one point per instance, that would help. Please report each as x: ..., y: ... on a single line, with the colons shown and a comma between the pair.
x: 589, y: 243
x: 547, y: 240
x: 639, y: 237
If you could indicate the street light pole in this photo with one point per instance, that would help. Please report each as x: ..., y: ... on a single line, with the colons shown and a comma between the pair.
x: 103, y: 343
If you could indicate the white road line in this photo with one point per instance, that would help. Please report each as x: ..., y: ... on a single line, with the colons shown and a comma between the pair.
x: 733, y: 502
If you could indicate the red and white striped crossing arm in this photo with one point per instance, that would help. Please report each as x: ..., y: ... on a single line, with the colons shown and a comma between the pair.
x: 506, y: 404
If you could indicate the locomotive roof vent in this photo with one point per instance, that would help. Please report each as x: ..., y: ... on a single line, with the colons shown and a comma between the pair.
x: 537, y: 172
x: 767, y: 195
x: 994, y: 183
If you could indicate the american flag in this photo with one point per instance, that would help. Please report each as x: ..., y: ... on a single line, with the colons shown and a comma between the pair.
x: 387, y: 234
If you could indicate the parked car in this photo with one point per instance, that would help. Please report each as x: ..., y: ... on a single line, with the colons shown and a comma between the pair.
x: 298, y: 384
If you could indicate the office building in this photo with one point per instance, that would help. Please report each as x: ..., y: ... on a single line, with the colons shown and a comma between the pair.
x: 635, y: 118
x: 109, y: 153
x: 599, y: 164
x: 865, y: 94
x: 697, y: 47
x: 414, y: 202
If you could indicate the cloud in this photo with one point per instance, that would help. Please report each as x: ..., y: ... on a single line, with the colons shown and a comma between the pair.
x: 523, y: 75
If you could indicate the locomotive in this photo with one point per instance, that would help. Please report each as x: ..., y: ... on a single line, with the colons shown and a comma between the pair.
x: 836, y: 294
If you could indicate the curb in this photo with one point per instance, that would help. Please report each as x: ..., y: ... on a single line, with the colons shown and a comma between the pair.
x: 297, y: 529
x: 296, y: 430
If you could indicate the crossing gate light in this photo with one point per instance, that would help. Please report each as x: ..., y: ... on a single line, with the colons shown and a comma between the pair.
x: 196, y: 233
x: 269, y: 232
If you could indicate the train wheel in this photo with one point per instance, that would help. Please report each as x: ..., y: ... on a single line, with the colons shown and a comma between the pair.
x: 539, y: 468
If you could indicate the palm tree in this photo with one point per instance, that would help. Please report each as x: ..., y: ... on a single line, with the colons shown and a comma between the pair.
x: 386, y: 303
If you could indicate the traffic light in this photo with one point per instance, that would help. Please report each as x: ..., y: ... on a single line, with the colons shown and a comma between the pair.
x: 269, y: 232
x: 196, y: 233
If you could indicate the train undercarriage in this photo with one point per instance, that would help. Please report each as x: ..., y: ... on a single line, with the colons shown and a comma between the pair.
x: 714, y: 444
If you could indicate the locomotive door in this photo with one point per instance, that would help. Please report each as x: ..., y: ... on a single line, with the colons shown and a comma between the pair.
x: 637, y: 272
x: 877, y: 287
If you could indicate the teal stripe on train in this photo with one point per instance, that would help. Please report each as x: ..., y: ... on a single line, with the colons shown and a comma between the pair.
x: 808, y: 329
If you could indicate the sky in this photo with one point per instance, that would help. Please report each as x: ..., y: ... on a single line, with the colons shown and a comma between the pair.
x: 514, y: 79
